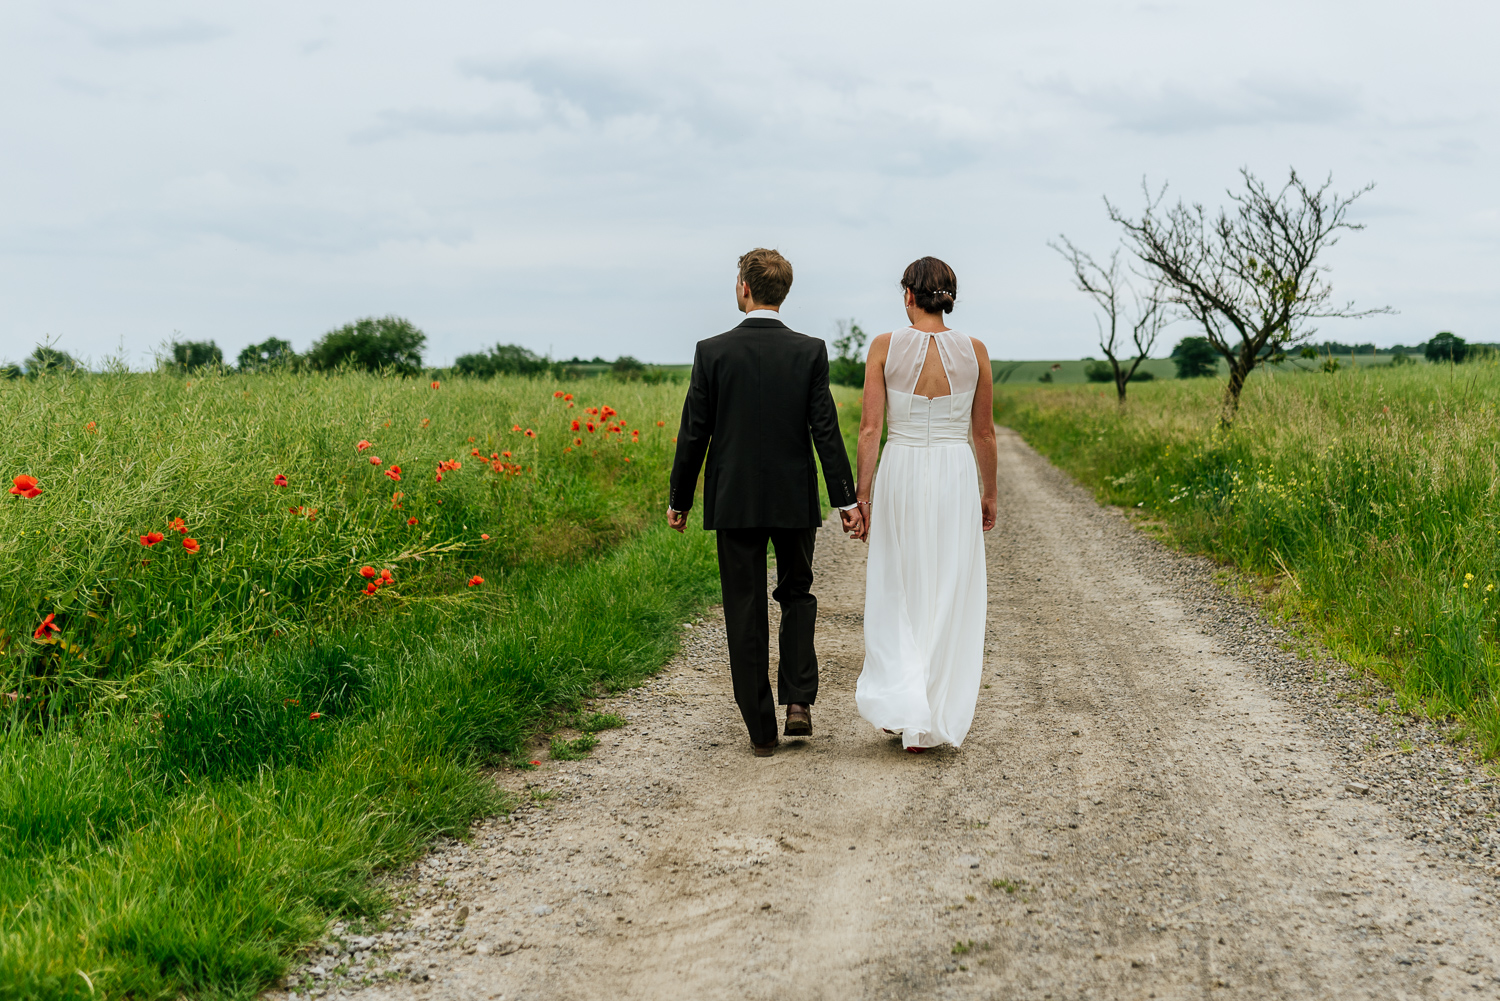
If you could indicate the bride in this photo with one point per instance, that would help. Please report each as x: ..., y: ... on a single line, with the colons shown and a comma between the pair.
x: 925, y: 591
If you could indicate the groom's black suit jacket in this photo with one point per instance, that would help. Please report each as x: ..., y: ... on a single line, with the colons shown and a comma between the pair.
x: 757, y: 403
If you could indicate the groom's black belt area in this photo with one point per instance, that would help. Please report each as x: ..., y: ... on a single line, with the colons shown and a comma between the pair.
x: 742, y: 573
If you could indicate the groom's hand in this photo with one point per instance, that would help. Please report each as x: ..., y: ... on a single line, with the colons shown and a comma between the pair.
x: 677, y: 520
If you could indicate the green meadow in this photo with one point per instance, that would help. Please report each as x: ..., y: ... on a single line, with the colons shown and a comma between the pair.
x: 264, y: 635
x: 1365, y: 499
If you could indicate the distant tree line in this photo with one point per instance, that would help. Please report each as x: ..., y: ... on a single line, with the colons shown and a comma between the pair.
x: 387, y: 344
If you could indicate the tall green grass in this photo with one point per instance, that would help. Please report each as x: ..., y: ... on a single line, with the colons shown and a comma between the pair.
x: 218, y: 749
x: 1369, y: 496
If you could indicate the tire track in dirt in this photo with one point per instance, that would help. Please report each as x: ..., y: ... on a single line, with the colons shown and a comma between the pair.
x: 1110, y: 829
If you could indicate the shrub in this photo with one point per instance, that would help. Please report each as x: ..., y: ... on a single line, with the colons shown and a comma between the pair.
x: 386, y: 344
x: 47, y: 360
x: 1099, y: 371
x: 626, y: 368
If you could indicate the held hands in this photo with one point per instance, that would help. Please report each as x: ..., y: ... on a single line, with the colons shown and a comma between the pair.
x: 854, y: 523
x: 677, y: 520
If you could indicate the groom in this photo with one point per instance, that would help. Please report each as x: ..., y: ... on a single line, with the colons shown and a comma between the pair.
x: 757, y: 404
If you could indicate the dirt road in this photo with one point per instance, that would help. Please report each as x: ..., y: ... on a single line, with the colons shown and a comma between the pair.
x: 1135, y: 814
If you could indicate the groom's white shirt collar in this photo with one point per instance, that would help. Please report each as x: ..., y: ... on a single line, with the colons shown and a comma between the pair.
x: 763, y: 314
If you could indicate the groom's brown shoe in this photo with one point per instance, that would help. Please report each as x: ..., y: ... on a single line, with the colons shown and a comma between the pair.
x: 798, y: 721
x: 765, y: 750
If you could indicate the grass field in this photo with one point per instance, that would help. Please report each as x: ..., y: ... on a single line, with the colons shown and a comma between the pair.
x: 1366, y: 499
x: 210, y: 748
x: 1071, y: 372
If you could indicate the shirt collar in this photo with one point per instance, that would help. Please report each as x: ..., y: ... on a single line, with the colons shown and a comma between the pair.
x: 763, y: 314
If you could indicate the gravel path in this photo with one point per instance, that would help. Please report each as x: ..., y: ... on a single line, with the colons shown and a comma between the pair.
x: 1158, y: 799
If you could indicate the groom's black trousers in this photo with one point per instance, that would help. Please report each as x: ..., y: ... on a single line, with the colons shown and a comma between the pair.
x: 742, y: 574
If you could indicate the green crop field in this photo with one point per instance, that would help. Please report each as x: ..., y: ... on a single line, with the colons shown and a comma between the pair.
x: 262, y: 634
x: 1019, y: 373
x: 1365, y: 498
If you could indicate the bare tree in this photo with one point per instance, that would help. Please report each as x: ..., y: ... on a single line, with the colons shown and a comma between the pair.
x: 1250, y: 273
x: 1108, y: 287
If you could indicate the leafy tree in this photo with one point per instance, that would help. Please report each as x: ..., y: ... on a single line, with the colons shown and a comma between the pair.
x: 191, y: 355
x: 1447, y: 347
x: 47, y: 360
x: 384, y: 344
x: 502, y: 359
x: 1251, y: 275
x: 628, y: 369
x: 10, y: 370
x: 847, y: 368
x: 1195, y: 358
x: 268, y: 355
x: 1099, y: 371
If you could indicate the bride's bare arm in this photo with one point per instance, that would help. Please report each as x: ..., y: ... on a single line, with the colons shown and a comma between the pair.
x: 871, y: 420
x: 984, y: 435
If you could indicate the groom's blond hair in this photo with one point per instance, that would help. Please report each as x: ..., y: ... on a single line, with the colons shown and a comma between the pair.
x: 768, y: 274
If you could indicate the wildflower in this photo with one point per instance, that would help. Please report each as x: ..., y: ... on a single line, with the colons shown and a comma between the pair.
x: 367, y: 572
x: 91, y: 426
x: 590, y: 426
x: 371, y: 588
x: 387, y: 576
x: 516, y: 428
x: 25, y: 486
x: 568, y: 396
x: 609, y: 412
x: 178, y: 525
x: 439, y: 477
x: 47, y: 623
x: 486, y: 538
x: 151, y: 538
x: 320, y: 715
x: 435, y: 385
x: 494, y: 455
x: 627, y: 458
x: 557, y: 395
x: 426, y: 421
x: 534, y: 762
x: 661, y: 424
x: 475, y: 581
x: 375, y: 460
x: 191, y: 545
x: 505, y: 455
x: 574, y: 426
x: 577, y: 442
x: 280, y: 480
x: 411, y: 521
x: 394, y: 473
x: 362, y: 446
x: 1468, y: 576
x: 530, y: 433
x: 474, y: 452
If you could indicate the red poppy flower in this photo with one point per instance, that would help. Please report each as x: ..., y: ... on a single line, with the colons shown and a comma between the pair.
x: 590, y: 426
x: 557, y: 395
x: 90, y: 426
x: 177, y: 525
x: 567, y: 396
x: 47, y: 623
x: 151, y: 538
x: 371, y: 588
x: 411, y: 521
x: 25, y: 486
x: 439, y: 477
x: 505, y: 455
x: 191, y: 545
x: 575, y: 426
x: 426, y: 421
x: 320, y: 715
x: 435, y: 385
x: 387, y: 576
x: 367, y: 572
x: 577, y: 441
x: 474, y: 452
x: 609, y: 411
x: 394, y: 473
x: 530, y: 433
x: 486, y: 538
x: 280, y: 480
x: 494, y: 455
x: 661, y: 424
x: 374, y: 460
x: 475, y: 581
x: 516, y: 428
x: 363, y: 445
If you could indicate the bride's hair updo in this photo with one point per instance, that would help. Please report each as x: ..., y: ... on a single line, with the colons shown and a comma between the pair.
x: 932, y: 283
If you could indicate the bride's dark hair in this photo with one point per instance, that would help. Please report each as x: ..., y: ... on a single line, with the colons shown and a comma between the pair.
x: 933, y: 284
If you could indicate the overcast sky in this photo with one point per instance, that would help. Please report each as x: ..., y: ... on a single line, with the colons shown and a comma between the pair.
x: 579, y: 177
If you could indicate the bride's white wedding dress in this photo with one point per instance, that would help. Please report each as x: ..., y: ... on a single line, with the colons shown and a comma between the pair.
x: 925, y: 585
